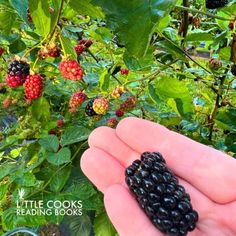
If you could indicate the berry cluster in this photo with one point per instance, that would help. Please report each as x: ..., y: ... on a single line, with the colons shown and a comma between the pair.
x: 158, y: 193
x: 213, y: 4
x: 33, y: 87
x: 82, y: 45
x: 117, y: 92
x: 112, y: 122
x: 76, y: 100
x: 1, y: 51
x: 51, y: 50
x: 124, y: 71
x: 97, y: 106
x: 214, y: 64
x: 16, y: 73
x: 70, y: 69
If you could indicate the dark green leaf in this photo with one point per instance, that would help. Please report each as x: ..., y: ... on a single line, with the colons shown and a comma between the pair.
x: 74, y: 135
x: 17, y: 46
x: 50, y: 143
x: 62, y: 157
x: 42, y: 114
x: 21, y: 8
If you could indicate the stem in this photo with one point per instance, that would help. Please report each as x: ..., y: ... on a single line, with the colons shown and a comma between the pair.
x: 57, y: 21
x: 217, y: 105
x: 201, y: 12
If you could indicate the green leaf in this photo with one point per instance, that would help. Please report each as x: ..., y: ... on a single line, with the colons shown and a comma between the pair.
x: 103, y: 226
x: 21, y: 8
x: 62, y: 157
x: 50, y: 143
x: 176, y: 91
x: 5, y: 169
x: 201, y: 36
x: 3, y: 190
x: 226, y: 119
x: 25, y: 179
x: 139, y: 19
x: 39, y: 10
x: 58, y: 182
x: 74, y: 135
x: 17, y: 46
x: 84, y: 7
x: 42, y: 114
x: 104, y: 80
x: 153, y: 95
x: 6, y: 21
x: 78, y: 225
x: 68, y: 47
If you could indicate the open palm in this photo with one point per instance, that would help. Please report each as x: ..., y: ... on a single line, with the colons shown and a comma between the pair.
x: 208, y: 175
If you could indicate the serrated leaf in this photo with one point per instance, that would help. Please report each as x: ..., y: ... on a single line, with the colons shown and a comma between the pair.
x: 74, y: 135
x: 59, y: 158
x: 17, y: 46
x: 226, y: 119
x: 103, y: 226
x: 68, y: 47
x: 78, y: 225
x: 153, y: 95
x: 139, y: 19
x: 50, y: 143
x: 39, y: 10
x: 6, y: 21
x: 59, y: 180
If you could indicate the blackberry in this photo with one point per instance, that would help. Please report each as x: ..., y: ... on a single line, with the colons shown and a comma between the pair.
x: 159, y: 194
x: 89, y: 108
x: 213, y: 4
x: 19, y: 68
x: 233, y: 69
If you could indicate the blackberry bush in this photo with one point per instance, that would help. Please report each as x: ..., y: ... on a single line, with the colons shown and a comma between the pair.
x: 159, y: 194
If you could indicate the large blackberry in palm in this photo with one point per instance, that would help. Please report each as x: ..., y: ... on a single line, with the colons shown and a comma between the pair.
x: 213, y: 4
x: 89, y: 108
x: 159, y: 194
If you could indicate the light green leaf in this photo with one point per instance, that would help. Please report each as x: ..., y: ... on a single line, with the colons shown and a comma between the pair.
x: 39, y: 10
x: 42, y: 114
x: 104, y: 80
x: 103, y: 226
x: 68, y: 47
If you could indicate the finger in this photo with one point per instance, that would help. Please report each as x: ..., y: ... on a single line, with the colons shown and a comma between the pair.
x: 207, y: 169
x: 125, y: 214
x: 106, y: 139
x: 102, y: 170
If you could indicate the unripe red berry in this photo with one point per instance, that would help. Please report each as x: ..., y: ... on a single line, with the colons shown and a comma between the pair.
x: 60, y: 123
x: 13, y: 81
x: 1, y: 51
x: 119, y: 113
x: 70, y: 69
x: 76, y: 100
x: 231, y: 25
x: 79, y: 49
x: 6, y: 103
x: 33, y: 87
x: 112, y: 122
x: 124, y: 71
x: 214, y: 64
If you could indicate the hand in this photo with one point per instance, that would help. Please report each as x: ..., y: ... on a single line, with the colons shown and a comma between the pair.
x: 207, y: 174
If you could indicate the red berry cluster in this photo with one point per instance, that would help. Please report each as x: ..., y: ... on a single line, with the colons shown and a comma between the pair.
x: 118, y: 91
x: 70, y: 69
x: 101, y: 105
x: 82, y: 45
x: 1, y: 51
x: 51, y: 50
x: 33, y: 86
x: 124, y: 71
x: 76, y: 100
x: 60, y: 122
x: 128, y: 105
x: 112, y: 122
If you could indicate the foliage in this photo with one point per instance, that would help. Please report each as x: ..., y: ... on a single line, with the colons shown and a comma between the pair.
x: 166, y: 49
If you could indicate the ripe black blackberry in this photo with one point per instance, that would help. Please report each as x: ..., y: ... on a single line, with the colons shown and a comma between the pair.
x: 213, y: 4
x: 158, y: 193
x: 89, y: 108
x: 19, y: 68
x: 233, y: 69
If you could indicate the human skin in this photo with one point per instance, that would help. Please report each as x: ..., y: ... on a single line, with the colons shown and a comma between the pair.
x: 208, y: 176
